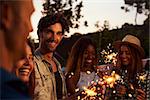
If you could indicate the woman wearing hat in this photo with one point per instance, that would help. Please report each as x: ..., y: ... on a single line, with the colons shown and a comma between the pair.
x: 129, y: 64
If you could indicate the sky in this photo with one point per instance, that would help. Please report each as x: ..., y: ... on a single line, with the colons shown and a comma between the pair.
x: 93, y: 11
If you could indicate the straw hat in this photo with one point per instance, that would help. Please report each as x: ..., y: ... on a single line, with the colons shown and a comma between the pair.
x: 132, y: 41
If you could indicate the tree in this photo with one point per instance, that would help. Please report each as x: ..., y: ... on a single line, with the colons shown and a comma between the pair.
x: 106, y: 25
x: 142, y: 6
x: 70, y: 9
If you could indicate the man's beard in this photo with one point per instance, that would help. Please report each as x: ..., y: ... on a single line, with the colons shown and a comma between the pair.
x: 48, y: 47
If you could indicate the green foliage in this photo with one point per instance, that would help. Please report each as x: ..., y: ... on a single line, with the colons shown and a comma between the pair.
x: 141, y: 5
x: 106, y: 36
x: 70, y: 9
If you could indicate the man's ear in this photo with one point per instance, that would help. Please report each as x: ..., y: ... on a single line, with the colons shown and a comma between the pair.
x: 6, y: 16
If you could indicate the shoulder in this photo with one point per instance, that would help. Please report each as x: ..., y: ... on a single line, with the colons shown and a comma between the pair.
x: 12, y: 87
x: 37, y: 56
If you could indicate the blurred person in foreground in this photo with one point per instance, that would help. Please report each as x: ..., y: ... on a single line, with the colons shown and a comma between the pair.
x: 49, y: 78
x: 129, y: 65
x: 25, y: 68
x: 15, y: 26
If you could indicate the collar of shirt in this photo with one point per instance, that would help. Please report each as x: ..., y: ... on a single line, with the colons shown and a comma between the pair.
x: 43, y: 59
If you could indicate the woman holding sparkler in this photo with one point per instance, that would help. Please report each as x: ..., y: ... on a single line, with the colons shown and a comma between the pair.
x: 81, y: 65
x: 129, y: 65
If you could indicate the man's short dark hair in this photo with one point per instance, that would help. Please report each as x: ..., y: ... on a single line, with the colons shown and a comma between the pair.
x: 51, y: 20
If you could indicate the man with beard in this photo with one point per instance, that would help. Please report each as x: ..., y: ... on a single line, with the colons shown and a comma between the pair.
x: 49, y: 79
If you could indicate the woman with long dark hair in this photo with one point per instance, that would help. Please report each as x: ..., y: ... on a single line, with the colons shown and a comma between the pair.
x: 129, y: 65
x: 81, y: 65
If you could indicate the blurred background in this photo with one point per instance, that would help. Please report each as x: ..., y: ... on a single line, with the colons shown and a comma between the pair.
x: 105, y: 21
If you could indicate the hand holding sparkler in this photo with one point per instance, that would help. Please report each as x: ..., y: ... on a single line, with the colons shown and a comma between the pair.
x: 121, y: 90
x: 141, y: 95
x: 141, y: 77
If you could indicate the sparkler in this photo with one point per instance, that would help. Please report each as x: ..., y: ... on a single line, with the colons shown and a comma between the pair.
x: 97, y: 89
x: 111, y: 80
x: 90, y: 92
x: 93, y: 92
x: 109, y: 56
x: 141, y: 77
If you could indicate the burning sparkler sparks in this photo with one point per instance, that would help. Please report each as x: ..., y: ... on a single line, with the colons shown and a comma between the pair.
x: 142, y: 77
x: 108, y: 81
x: 108, y: 55
x: 90, y: 92
x: 111, y: 80
x: 97, y: 89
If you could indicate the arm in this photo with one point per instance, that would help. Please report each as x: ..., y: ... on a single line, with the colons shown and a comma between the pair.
x: 141, y: 95
x: 72, y: 80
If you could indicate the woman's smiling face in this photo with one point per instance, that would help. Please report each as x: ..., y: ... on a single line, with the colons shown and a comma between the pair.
x: 89, y: 56
x: 125, y: 55
x: 24, y: 66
